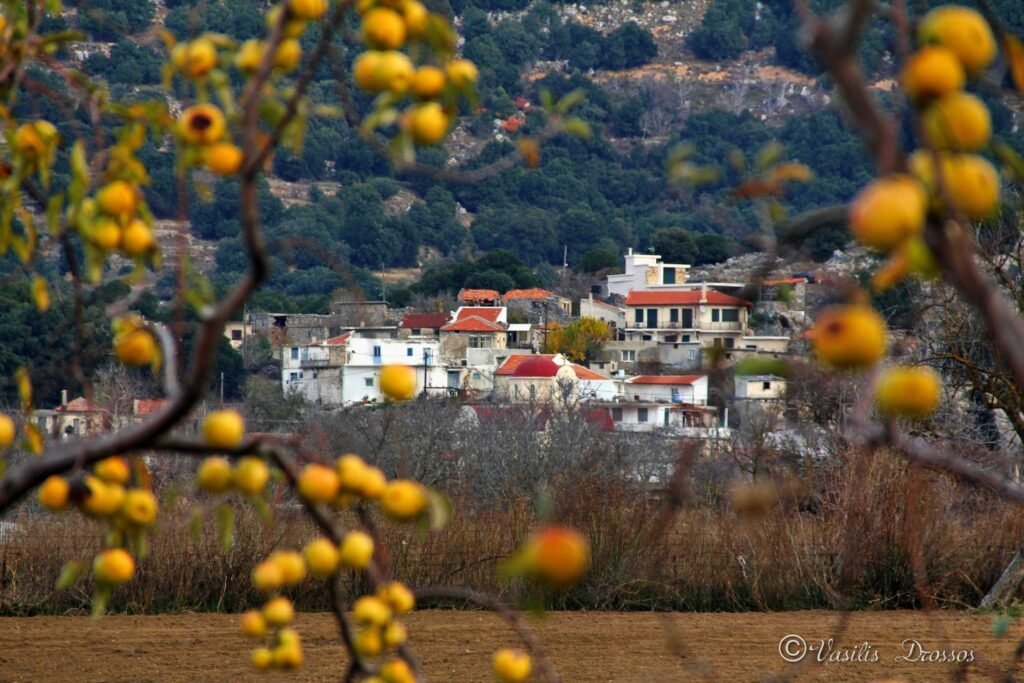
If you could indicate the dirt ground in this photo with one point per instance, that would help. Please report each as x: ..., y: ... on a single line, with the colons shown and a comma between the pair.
x: 456, y: 646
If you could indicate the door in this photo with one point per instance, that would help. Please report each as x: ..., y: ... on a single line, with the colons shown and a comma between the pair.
x: 687, y: 318
x: 652, y: 318
x: 453, y: 379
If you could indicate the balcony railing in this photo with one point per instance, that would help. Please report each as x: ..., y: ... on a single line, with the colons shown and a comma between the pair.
x: 314, y: 363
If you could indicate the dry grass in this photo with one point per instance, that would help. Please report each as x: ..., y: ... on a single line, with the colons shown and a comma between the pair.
x: 875, y: 520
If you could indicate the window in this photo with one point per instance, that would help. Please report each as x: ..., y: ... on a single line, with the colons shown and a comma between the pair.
x: 715, y: 314
x: 600, y: 366
x: 765, y: 386
x: 476, y: 375
x: 415, y: 330
x: 294, y: 377
x: 482, y: 341
x: 368, y: 382
x: 666, y: 417
x: 639, y: 315
x: 673, y: 315
x: 408, y: 351
x: 236, y: 335
x: 295, y: 353
x: 376, y: 352
x: 730, y: 343
x: 628, y: 356
x: 533, y: 391
x: 668, y: 276
x: 730, y: 315
x: 617, y: 414
x: 641, y: 415
x: 685, y: 338
x: 646, y: 337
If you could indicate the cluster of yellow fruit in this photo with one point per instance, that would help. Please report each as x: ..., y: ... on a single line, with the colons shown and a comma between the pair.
x: 387, y: 25
x: 112, y: 220
x: 104, y: 495
x: 890, y: 214
x: 854, y: 336
x: 36, y: 144
x: 225, y: 429
x: 378, y: 629
x: 352, y: 479
x: 133, y: 343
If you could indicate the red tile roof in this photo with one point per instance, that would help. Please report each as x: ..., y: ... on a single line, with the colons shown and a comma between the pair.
x: 491, y: 313
x: 478, y: 295
x: 785, y: 281
x: 684, y: 297
x: 423, y: 320
x: 665, y: 379
x: 533, y: 293
x: 79, y: 405
x: 340, y: 340
x: 148, y: 406
x: 473, y: 323
x: 538, y: 363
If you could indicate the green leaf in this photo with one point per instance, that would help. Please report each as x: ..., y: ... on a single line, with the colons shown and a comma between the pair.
x: 769, y: 155
x: 439, y: 509
x: 100, y: 599
x: 577, y: 126
x: 570, y: 100
x: 226, y: 526
x: 70, y: 573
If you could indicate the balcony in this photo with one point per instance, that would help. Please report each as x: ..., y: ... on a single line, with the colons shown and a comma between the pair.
x: 315, y: 363
x: 721, y: 327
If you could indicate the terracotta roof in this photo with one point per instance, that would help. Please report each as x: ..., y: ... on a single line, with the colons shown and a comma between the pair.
x: 491, y: 313
x: 684, y: 297
x: 533, y: 293
x: 478, y: 295
x: 473, y: 324
x: 79, y: 405
x: 421, y: 320
x: 540, y: 365
x: 665, y: 379
x: 148, y: 406
x: 340, y: 340
x: 785, y: 281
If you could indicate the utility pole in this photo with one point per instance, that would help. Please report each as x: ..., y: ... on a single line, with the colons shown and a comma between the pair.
x: 425, y: 369
x: 222, y: 390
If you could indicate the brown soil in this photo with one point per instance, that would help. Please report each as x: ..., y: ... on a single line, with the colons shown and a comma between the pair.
x: 456, y: 646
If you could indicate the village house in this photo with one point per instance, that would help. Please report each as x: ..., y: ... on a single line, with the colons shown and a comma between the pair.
x: 315, y: 370
x: 704, y: 315
x: 366, y: 356
x: 479, y: 297
x: 421, y: 325
x: 646, y: 272
x: 473, y: 334
x: 614, y: 316
x: 550, y: 378
x: 537, y: 305
x: 759, y: 387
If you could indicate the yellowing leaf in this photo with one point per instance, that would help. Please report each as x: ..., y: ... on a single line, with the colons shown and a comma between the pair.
x: 1015, y: 57
x: 33, y: 439
x: 24, y: 387
x: 791, y: 171
x: 70, y: 574
x: 40, y: 293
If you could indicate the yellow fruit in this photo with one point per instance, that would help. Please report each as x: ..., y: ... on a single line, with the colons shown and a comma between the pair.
x: 351, y: 472
x: 394, y: 634
x: 288, y: 636
x: 912, y: 391
x: 6, y: 431
x: 888, y: 211
x: 416, y: 17
x: 368, y: 642
x: 307, y: 9
x: 963, y: 31
x: 113, y: 470
x: 398, y: 382
x: 957, y: 121
x: 318, y: 484
x: 558, y: 556
x: 932, y: 71
x: 288, y: 55
x: 894, y: 270
x: 356, y: 550
x: 397, y: 671
x: 117, y: 199
x: 53, y: 494
x: 262, y: 658
x: 376, y: 71
x: 137, y: 238
x: 462, y: 73
x: 291, y: 564
x: 427, y: 124
x: 224, y: 429
x: 105, y: 233
x: 511, y: 666
x: 374, y: 484
x: 249, y: 55
x: 102, y: 499
x: 973, y: 185
x: 199, y: 58
x: 371, y: 611
x: 288, y: 656
x: 201, y: 124
x: 398, y: 597
x: 113, y: 566
x: 267, y: 577
x: 214, y: 475
x: 428, y: 82
x: 253, y: 624
x: 321, y: 557
x: 849, y: 336
x: 294, y: 27
x: 223, y: 158
x: 140, y: 507
x: 251, y: 475
x: 278, y: 611
x: 28, y: 141
x: 137, y: 347
x: 404, y: 500
x: 383, y: 28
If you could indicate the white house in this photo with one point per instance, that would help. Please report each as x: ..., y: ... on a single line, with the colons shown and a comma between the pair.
x: 646, y: 271
x: 549, y: 377
x: 364, y: 359
x: 689, y: 389
x: 615, y: 316
x: 699, y: 315
x: 759, y: 387
x: 314, y: 370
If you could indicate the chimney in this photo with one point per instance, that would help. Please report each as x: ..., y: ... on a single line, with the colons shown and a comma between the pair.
x: 703, y: 292
x: 629, y: 252
x: 64, y: 397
